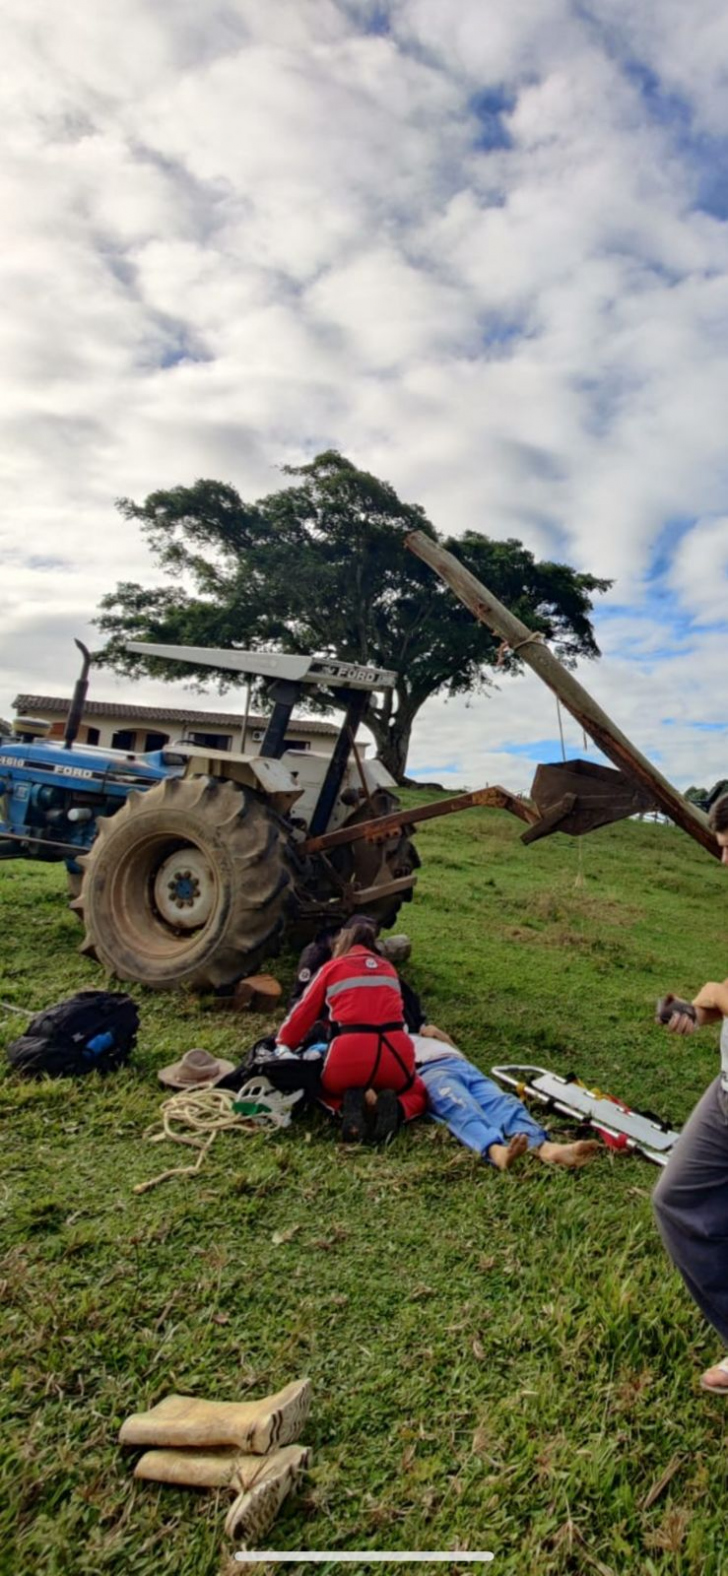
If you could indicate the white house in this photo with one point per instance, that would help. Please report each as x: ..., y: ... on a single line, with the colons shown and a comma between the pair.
x: 113, y: 725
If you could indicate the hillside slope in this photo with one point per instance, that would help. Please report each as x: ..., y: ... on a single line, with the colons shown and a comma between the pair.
x: 503, y: 1363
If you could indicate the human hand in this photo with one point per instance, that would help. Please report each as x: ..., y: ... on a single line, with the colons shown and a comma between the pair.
x: 431, y: 1032
x: 679, y: 1016
x: 682, y: 1023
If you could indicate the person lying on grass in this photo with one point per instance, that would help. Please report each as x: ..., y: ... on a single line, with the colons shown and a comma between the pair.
x: 494, y: 1124
x: 476, y: 1126
x: 691, y: 1198
x: 368, y: 1070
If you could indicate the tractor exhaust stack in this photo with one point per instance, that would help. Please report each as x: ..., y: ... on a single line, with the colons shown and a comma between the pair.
x: 78, y: 699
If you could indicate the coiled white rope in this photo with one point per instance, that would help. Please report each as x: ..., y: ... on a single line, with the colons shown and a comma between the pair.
x: 203, y: 1113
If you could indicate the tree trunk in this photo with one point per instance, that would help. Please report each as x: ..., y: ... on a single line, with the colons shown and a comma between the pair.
x: 392, y: 741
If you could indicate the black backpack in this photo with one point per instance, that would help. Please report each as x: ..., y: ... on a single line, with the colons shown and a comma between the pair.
x: 93, y: 1031
x: 286, y: 1073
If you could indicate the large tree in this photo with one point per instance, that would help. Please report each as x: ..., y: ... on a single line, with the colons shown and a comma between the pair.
x: 320, y: 567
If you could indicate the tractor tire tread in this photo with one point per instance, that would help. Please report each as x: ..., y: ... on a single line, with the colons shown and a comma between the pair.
x: 249, y: 849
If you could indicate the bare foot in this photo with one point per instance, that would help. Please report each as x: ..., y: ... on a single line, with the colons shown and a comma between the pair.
x: 503, y: 1155
x: 716, y: 1378
x: 573, y: 1155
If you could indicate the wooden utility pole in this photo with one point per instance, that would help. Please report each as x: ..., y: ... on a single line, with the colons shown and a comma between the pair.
x: 532, y: 649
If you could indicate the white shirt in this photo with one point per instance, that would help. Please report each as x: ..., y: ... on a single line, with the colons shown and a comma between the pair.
x: 429, y: 1050
x: 724, y: 1053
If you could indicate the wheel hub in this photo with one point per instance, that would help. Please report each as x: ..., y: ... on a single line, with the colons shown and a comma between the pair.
x: 184, y: 889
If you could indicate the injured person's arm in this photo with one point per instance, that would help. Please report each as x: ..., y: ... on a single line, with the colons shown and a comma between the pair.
x: 431, y: 1032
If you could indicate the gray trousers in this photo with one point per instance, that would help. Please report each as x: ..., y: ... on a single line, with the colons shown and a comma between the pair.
x: 691, y: 1206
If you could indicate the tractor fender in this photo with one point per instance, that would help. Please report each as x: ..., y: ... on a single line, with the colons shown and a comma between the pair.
x: 266, y: 775
x: 376, y: 774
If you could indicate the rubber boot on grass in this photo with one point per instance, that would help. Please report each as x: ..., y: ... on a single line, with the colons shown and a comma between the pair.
x: 256, y: 1507
x: 225, y: 1468
x: 184, y: 1421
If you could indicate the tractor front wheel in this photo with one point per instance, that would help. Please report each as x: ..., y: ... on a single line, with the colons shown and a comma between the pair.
x: 187, y: 885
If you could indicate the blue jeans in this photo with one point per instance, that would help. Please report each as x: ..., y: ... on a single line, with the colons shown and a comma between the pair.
x: 474, y: 1108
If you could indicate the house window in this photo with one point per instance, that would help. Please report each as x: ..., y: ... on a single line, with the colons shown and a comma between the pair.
x: 123, y: 740
x: 296, y: 744
x: 211, y: 741
x: 156, y: 741
x: 92, y: 735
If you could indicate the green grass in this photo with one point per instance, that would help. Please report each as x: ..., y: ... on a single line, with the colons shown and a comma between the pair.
x: 507, y: 1363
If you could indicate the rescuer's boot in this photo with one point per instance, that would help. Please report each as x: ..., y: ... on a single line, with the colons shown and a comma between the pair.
x: 353, y: 1117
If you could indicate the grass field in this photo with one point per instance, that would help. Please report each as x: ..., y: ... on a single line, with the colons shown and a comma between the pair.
x: 499, y: 1362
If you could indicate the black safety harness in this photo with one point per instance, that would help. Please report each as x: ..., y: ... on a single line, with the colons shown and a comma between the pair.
x: 382, y: 1030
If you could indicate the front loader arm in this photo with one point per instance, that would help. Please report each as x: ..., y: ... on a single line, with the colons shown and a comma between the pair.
x: 382, y: 826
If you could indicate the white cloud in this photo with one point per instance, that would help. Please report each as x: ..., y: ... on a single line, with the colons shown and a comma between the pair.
x: 668, y: 705
x: 466, y: 248
x: 699, y: 572
x: 685, y: 47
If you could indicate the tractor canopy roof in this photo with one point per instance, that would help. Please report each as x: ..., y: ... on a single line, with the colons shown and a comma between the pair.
x: 328, y: 671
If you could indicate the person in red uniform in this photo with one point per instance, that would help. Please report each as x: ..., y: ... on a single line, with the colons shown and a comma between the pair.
x: 369, y: 1069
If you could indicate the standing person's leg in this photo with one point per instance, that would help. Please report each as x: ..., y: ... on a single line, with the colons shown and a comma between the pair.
x: 451, y: 1102
x: 691, y: 1207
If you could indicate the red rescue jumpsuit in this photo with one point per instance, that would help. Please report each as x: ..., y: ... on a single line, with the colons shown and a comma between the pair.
x: 370, y: 1048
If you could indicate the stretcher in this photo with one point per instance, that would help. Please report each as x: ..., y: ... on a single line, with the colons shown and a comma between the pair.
x: 617, y: 1124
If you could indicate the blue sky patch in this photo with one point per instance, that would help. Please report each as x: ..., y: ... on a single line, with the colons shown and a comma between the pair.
x: 666, y: 543
x: 378, y: 22
x: 664, y: 106
x: 706, y: 156
x: 438, y: 770
x: 497, y: 332
x: 181, y: 346
x: 488, y: 106
x: 545, y: 750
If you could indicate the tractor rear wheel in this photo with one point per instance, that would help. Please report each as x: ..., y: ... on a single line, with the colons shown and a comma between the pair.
x: 187, y: 885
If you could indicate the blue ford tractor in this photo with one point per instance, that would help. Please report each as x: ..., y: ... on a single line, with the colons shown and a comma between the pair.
x: 187, y: 864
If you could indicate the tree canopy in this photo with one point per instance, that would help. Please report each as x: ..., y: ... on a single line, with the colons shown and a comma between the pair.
x: 705, y: 797
x: 320, y: 567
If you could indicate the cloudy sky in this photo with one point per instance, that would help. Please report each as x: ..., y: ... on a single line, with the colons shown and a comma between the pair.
x: 480, y: 246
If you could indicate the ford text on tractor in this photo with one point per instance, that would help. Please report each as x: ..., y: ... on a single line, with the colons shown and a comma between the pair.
x: 188, y: 864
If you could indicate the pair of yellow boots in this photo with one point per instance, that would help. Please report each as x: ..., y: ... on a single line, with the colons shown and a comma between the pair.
x: 245, y: 1446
